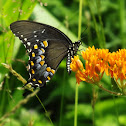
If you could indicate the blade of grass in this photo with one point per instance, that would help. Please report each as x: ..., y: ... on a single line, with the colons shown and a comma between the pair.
x: 101, y: 23
x: 79, y: 36
x: 122, y: 21
x: 90, y: 4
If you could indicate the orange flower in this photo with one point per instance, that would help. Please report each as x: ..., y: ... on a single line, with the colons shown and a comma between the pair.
x: 94, y: 65
x: 76, y: 64
x: 98, y: 62
x: 117, y: 61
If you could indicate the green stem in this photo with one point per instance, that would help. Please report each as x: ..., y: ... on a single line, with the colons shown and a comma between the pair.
x: 116, y: 110
x: 111, y: 92
x: 76, y: 104
x: 47, y: 114
x: 22, y: 102
x: 93, y: 102
x: 80, y: 19
x: 79, y: 36
x: 19, y: 77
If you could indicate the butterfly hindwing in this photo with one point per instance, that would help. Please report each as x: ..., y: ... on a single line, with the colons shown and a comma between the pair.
x: 44, y: 61
x: 55, y: 53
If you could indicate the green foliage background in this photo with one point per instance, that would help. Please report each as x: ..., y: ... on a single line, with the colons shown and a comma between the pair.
x: 103, y: 25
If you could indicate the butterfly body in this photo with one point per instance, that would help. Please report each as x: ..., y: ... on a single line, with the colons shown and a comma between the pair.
x: 47, y: 47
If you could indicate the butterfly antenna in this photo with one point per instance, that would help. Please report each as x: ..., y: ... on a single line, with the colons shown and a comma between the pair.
x: 83, y: 33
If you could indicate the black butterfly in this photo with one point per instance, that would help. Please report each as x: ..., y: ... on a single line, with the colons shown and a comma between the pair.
x: 46, y: 46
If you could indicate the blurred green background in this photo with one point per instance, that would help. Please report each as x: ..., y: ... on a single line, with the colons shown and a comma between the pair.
x: 103, y: 25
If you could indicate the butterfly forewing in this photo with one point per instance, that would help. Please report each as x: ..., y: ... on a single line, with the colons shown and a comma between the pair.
x: 30, y: 32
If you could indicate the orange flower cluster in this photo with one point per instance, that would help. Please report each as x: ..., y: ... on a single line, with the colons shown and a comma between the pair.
x: 117, y: 61
x: 98, y: 62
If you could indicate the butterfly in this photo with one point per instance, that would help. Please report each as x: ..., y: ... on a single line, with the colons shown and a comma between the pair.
x: 47, y: 47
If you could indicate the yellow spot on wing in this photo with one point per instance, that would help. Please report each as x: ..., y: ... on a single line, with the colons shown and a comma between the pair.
x: 35, y: 46
x: 42, y: 50
x: 42, y: 56
x: 42, y: 63
x: 32, y: 64
x: 32, y: 71
x: 48, y: 78
x: 45, y: 43
x: 48, y: 69
x: 33, y: 54
x: 40, y: 81
x: 53, y: 71
x: 34, y: 79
